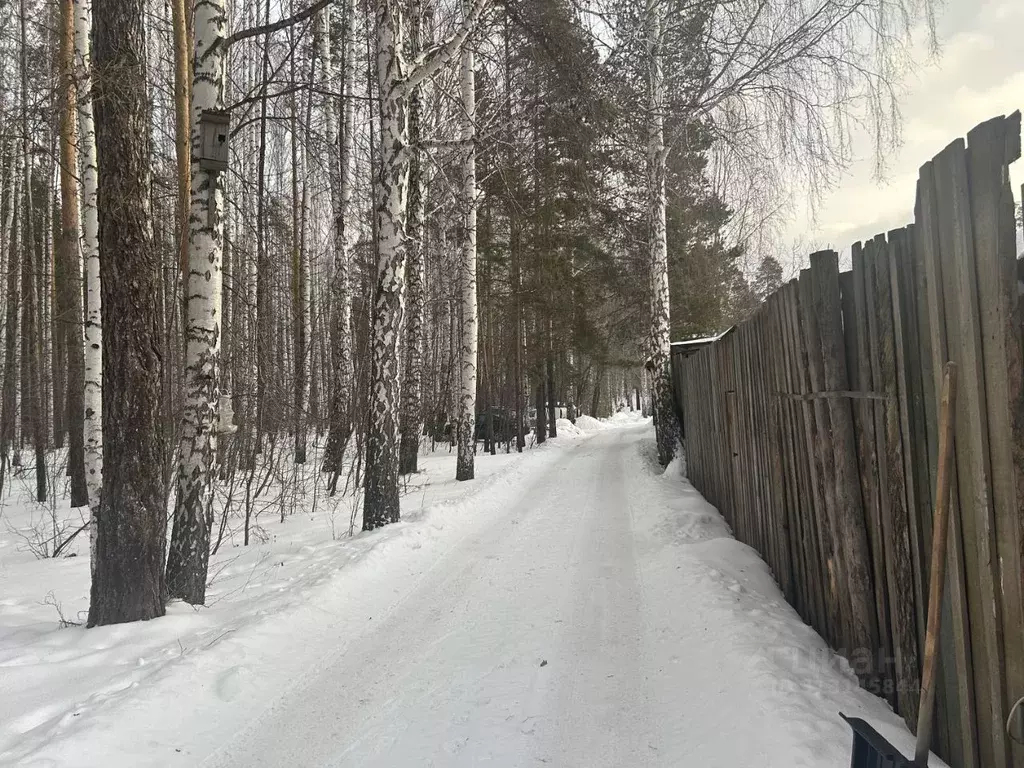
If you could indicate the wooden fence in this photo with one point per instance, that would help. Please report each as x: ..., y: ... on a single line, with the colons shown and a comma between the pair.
x: 812, y: 427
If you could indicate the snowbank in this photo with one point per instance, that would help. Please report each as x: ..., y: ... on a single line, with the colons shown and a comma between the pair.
x: 567, y: 429
x: 622, y: 418
x: 590, y: 424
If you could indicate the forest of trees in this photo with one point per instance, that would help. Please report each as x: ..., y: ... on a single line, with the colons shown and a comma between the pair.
x: 297, y: 241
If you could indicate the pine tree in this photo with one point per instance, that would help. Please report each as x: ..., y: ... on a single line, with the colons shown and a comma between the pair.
x: 70, y: 293
x: 128, y: 582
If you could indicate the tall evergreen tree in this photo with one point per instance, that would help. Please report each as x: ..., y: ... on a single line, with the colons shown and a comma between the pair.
x: 128, y: 582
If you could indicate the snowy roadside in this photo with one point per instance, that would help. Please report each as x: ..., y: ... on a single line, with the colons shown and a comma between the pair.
x: 304, y: 580
x: 748, y: 676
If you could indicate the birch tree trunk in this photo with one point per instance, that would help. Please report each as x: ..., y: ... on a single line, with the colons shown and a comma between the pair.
x: 11, y: 315
x: 71, y: 289
x: 93, y: 332
x: 128, y: 582
x: 381, y: 499
x: 665, y: 422
x: 468, y: 352
x: 342, y: 169
x: 189, y: 554
x: 411, y: 426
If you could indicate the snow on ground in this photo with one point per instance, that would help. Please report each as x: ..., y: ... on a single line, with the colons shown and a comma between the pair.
x: 590, y: 424
x: 573, y: 606
x: 54, y: 677
x: 566, y: 428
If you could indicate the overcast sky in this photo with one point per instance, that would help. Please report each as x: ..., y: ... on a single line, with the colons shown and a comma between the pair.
x: 980, y: 74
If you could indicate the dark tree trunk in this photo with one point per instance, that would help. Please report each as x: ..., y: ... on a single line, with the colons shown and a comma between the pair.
x: 520, y: 385
x: 264, y: 321
x: 31, y: 379
x: 552, y: 400
x: 71, y: 317
x: 514, y: 254
x: 542, y: 415
x: 128, y: 583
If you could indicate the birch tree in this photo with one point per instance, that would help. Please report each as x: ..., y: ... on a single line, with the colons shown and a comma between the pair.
x: 93, y: 332
x: 11, y: 358
x: 342, y: 168
x: 666, y: 423
x: 395, y: 79
x: 468, y: 358
x: 193, y: 515
x: 411, y: 427
x: 776, y: 82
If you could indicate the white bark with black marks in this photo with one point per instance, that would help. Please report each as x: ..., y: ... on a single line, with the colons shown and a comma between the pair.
x: 93, y: 336
x: 411, y: 423
x: 395, y: 77
x: 464, y: 468
x: 665, y: 421
x: 342, y: 168
x: 188, y: 558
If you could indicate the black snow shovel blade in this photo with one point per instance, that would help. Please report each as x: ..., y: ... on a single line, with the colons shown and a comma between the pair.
x: 871, y: 750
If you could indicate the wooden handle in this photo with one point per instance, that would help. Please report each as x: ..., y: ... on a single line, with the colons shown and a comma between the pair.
x: 940, y: 532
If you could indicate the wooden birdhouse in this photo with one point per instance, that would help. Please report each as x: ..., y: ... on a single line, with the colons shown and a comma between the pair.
x: 214, y: 129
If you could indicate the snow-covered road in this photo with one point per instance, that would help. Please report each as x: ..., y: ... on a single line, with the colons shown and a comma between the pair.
x: 589, y: 612
x: 525, y: 645
x: 567, y: 631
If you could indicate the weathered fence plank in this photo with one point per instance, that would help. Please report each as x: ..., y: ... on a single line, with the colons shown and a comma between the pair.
x: 792, y: 502
x: 991, y: 147
x: 824, y: 464
x: 849, y: 509
x: 899, y: 564
x: 964, y: 338
x: 958, y: 690
x: 811, y: 495
x: 915, y: 451
x: 864, y: 423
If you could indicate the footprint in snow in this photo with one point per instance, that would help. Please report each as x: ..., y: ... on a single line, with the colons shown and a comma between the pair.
x: 229, y: 683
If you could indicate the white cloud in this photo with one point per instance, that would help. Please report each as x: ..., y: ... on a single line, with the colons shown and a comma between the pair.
x: 979, y: 75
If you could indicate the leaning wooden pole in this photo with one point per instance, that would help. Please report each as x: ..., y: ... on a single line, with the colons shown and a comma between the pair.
x: 940, y: 532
